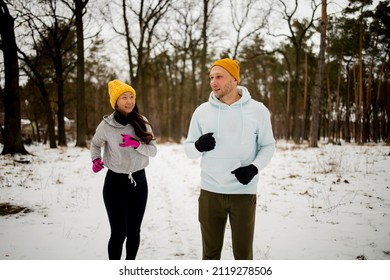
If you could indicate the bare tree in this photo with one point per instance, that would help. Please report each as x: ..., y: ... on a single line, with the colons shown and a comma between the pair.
x: 79, y: 11
x: 139, y: 42
x: 185, y: 39
x: 300, y: 31
x: 12, y: 130
x: 31, y: 67
x: 242, y: 13
x: 59, y: 47
x: 51, y: 36
x: 208, y: 9
x: 319, y: 81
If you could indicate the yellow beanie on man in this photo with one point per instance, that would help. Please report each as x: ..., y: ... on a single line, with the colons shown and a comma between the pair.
x: 229, y: 65
x: 116, y: 88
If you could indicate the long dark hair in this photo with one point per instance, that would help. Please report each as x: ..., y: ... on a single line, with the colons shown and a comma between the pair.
x: 138, y: 122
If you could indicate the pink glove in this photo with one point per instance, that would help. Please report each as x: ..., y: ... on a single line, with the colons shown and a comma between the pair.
x: 129, y: 141
x: 97, y: 165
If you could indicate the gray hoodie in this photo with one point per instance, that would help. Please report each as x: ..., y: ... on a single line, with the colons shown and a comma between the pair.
x: 116, y: 158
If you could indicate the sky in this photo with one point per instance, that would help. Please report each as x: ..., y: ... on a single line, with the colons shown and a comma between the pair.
x: 224, y: 35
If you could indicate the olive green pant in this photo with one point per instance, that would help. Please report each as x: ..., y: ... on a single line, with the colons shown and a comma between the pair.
x: 214, y: 209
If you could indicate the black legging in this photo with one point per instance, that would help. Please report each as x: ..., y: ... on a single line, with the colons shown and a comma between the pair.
x: 125, y: 205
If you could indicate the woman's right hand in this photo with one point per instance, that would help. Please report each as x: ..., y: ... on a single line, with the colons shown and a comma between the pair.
x: 97, y: 165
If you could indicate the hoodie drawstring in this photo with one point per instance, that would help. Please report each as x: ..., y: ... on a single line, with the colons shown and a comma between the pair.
x: 213, y: 100
x: 242, y: 123
x: 219, y: 117
x: 132, y: 179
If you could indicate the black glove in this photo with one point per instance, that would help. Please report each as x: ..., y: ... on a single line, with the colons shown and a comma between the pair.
x: 205, y: 143
x: 245, y: 174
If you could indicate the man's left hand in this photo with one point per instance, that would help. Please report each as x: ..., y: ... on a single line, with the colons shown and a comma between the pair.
x: 245, y: 174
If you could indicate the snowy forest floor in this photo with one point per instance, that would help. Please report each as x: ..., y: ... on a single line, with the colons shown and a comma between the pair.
x: 327, y: 203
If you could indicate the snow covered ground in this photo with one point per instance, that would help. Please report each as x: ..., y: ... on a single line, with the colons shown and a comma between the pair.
x: 329, y: 203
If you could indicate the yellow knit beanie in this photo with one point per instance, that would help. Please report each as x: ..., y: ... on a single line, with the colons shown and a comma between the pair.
x: 229, y: 65
x: 116, y: 88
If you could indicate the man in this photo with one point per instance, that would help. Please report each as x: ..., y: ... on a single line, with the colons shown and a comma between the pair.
x: 232, y: 134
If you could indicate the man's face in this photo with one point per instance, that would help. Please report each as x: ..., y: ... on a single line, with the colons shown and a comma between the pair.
x: 222, y: 83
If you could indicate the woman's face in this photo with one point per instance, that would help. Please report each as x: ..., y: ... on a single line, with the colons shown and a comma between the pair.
x: 125, y: 103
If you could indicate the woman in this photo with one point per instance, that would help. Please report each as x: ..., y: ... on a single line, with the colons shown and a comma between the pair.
x: 127, y: 140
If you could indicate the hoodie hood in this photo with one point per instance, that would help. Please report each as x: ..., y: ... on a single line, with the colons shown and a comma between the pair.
x: 242, y: 91
x: 245, y: 98
x: 110, y: 120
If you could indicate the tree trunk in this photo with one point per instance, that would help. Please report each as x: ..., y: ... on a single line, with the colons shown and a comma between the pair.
x: 370, y: 102
x: 356, y: 126
x: 387, y: 106
x: 81, y: 112
x: 329, y: 112
x: 377, y: 108
x: 12, y: 130
x: 320, y: 74
x: 61, y: 104
x: 288, y: 105
x: 337, y: 109
x: 360, y: 103
x: 347, y: 106
x: 203, y: 59
x: 303, y: 125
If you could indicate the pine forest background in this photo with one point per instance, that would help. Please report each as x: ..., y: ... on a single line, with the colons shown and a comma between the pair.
x: 306, y: 64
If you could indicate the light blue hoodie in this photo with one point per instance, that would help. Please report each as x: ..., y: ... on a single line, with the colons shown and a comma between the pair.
x: 243, y: 136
